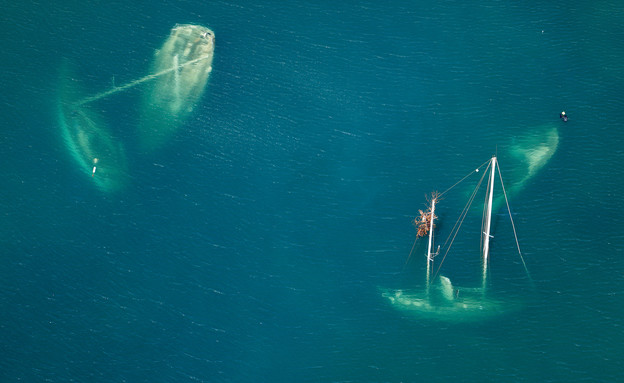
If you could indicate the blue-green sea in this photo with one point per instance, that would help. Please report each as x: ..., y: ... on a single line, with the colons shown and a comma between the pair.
x: 252, y: 246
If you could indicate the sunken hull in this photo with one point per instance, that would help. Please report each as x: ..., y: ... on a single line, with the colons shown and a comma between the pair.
x: 443, y: 302
x: 533, y: 149
x: 88, y: 139
x: 169, y: 99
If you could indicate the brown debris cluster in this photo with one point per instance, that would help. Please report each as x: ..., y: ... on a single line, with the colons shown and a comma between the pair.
x: 423, y: 223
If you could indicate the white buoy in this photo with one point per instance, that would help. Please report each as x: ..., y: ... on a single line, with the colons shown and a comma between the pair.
x: 95, y: 161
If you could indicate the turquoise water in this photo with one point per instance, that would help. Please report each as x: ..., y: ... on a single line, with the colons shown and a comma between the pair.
x: 253, y: 245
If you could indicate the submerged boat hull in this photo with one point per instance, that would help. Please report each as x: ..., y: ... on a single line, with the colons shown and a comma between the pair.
x: 169, y: 99
x: 445, y: 303
x: 89, y: 141
x: 533, y: 149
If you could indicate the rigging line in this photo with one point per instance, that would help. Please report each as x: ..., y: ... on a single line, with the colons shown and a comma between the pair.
x: 468, y: 175
x: 513, y: 226
x: 454, y: 234
x: 436, y: 197
x: 474, y: 192
x: 459, y: 222
x: 137, y: 82
x: 410, y: 253
x: 84, y: 115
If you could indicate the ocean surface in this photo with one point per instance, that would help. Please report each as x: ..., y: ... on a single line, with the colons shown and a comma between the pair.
x: 252, y: 247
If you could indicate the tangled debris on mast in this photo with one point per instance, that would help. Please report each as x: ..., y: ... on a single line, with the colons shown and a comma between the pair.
x: 423, y: 221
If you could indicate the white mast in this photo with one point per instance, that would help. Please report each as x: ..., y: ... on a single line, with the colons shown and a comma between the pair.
x: 429, y: 257
x: 488, y: 221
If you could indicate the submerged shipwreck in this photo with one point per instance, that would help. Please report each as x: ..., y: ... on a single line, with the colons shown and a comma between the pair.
x: 440, y: 299
x: 170, y: 98
x: 179, y: 74
x: 89, y: 140
x: 532, y: 149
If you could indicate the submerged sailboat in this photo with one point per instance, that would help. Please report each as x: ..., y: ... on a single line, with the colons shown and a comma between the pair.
x: 440, y: 299
x: 178, y: 77
x: 88, y: 138
x: 168, y: 100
